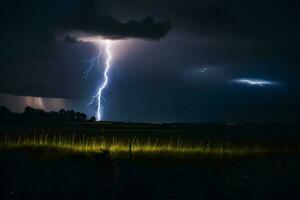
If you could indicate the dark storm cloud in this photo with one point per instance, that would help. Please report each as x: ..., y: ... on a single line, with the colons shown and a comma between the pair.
x: 264, y: 21
x: 32, y: 62
x: 261, y: 21
x: 85, y: 18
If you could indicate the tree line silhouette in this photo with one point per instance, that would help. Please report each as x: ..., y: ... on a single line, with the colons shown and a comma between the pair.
x: 39, y: 116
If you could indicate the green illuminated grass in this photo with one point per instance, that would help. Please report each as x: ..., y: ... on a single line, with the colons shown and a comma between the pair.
x: 154, y: 146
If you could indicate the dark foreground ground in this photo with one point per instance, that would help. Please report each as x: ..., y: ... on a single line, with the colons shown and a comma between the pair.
x: 27, y: 175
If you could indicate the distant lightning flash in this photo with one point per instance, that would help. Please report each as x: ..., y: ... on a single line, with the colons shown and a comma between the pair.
x: 205, y: 69
x: 103, y: 85
x: 260, y: 83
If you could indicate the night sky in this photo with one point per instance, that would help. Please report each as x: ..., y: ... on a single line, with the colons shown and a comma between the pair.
x: 172, y: 60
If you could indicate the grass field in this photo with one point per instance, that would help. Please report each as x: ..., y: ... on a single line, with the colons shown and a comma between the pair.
x: 127, y: 145
x: 82, y: 162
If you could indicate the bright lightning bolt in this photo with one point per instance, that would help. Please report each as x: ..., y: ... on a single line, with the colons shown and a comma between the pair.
x: 99, y: 95
x: 104, y: 84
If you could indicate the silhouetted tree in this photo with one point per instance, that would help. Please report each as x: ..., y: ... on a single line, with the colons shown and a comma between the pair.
x: 29, y: 109
x: 4, y: 110
x: 39, y: 116
x: 62, y: 113
x: 80, y: 116
x: 71, y: 114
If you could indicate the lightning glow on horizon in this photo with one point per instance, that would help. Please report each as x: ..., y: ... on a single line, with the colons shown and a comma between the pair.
x: 103, y: 85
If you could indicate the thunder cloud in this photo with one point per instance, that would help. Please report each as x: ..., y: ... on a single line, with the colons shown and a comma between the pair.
x: 84, y: 18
